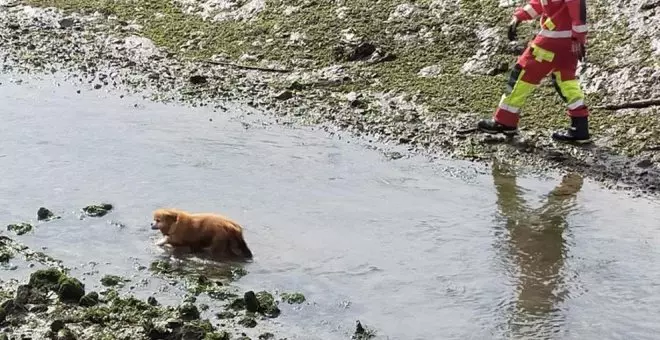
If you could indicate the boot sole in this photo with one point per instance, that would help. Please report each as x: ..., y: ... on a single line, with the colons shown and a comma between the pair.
x: 572, y: 141
x: 494, y: 132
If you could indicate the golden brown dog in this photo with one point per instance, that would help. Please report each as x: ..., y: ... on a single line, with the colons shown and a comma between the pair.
x: 216, y: 233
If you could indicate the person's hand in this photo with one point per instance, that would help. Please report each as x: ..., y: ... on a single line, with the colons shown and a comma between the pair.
x: 513, y: 29
x: 579, y: 50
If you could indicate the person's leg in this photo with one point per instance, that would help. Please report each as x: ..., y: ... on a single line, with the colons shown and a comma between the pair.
x: 532, y: 66
x: 571, y: 93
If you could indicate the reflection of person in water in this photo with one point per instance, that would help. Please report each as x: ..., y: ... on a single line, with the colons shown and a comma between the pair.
x: 537, y: 247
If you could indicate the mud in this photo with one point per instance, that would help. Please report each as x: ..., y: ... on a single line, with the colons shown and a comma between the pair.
x: 108, y: 46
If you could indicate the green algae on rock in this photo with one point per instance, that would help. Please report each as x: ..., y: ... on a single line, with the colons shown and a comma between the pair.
x: 91, y: 299
x: 292, y: 298
x: 20, y: 228
x: 362, y: 333
x: 97, y: 210
x: 112, y: 280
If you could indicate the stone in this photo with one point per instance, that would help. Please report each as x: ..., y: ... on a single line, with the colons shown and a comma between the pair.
x: 284, y: 95
x: 188, y: 311
x: 111, y: 280
x: 267, y: 304
x: 46, y: 279
x: 20, y: 228
x: 198, y: 79
x: 251, y: 302
x: 70, y: 290
x: 431, y: 71
x: 248, y: 322
x: 44, y: 214
x: 89, y: 300
x: 66, y: 23
x: 57, y: 325
x: 292, y: 298
x: 97, y: 210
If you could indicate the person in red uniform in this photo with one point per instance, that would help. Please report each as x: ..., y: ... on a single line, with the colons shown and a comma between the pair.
x: 555, y: 50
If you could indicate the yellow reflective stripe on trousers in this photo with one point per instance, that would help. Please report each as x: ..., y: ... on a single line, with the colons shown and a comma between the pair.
x: 541, y: 54
x: 571, y: 90
x: 513, y: 101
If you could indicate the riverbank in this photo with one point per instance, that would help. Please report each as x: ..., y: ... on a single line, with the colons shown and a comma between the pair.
x: 422, y: 79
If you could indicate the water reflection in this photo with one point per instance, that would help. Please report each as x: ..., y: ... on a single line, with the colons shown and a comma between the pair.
x: 535, y: 248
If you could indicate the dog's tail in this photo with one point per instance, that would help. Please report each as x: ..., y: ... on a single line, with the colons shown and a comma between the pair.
x: 242, y: 248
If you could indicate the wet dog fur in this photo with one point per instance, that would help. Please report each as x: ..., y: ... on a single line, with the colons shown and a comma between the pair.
x: 201, y: 232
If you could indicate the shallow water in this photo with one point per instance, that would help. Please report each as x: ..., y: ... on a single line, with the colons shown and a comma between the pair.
x: 416, y: 250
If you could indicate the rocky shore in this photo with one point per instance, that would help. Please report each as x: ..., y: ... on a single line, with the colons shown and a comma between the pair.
x: 418, y: 74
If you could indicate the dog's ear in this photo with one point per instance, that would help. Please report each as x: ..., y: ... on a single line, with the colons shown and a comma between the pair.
x: 171, y: 214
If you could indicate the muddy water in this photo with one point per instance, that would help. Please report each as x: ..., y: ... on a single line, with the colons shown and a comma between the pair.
x: 413, y: 249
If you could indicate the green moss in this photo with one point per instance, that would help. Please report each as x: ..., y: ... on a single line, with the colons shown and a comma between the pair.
x: 89, y: 300
x: 97, y: 210
x: 47, y: 279
x: 222, y: 335
x: 70, y: 289
x: 112, y: 280
x: 293, y: 298
x: 20, y: 228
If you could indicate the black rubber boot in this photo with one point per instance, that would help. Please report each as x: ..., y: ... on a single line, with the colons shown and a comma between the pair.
x: 577, y: 133
x: 491, y: 126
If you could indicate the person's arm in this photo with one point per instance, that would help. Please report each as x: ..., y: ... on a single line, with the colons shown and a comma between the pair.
x: 530, y: 11
x: 577, y: 10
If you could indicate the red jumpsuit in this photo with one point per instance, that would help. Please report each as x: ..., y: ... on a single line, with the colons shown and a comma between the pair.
x: 562, y: 22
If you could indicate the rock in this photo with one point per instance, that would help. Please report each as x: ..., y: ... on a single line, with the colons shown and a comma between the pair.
x: 222, y: 335
x: 20, y: 228
x: 46, y: 279
x: 57, y: 325
x: 198, y: 79
x: 349, y: 51
x: 66, y: 334
x: 267, y: 305
x: 5, y: 256
x: 284, y: 95
x: 362, y: 333
x: 266, y: 336
x: 111, y: 280
x: 430, y: 71
x: 296, y: 86
x: 13, y: 26
x: 649, y: 4
x: 247, y: 322
x: 89, y: 300
x: 44, y: 214
x: 251, y: 302
x: 66, y: 23
x: 188, y: 311
x: 70, y: 290
x: 645, y: 163
x: 97, y: 210
x: 97, y: 86
x: 22, y: 294
x: 402, y: 11
x: 3, y: 315
x: 190, y: 332
x: 152, y: 301
x: 292, y: 298
x: 38, y: 309
x: 225, y: 315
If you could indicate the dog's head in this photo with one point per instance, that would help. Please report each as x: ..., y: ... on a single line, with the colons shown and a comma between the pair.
x: 164, y: 219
